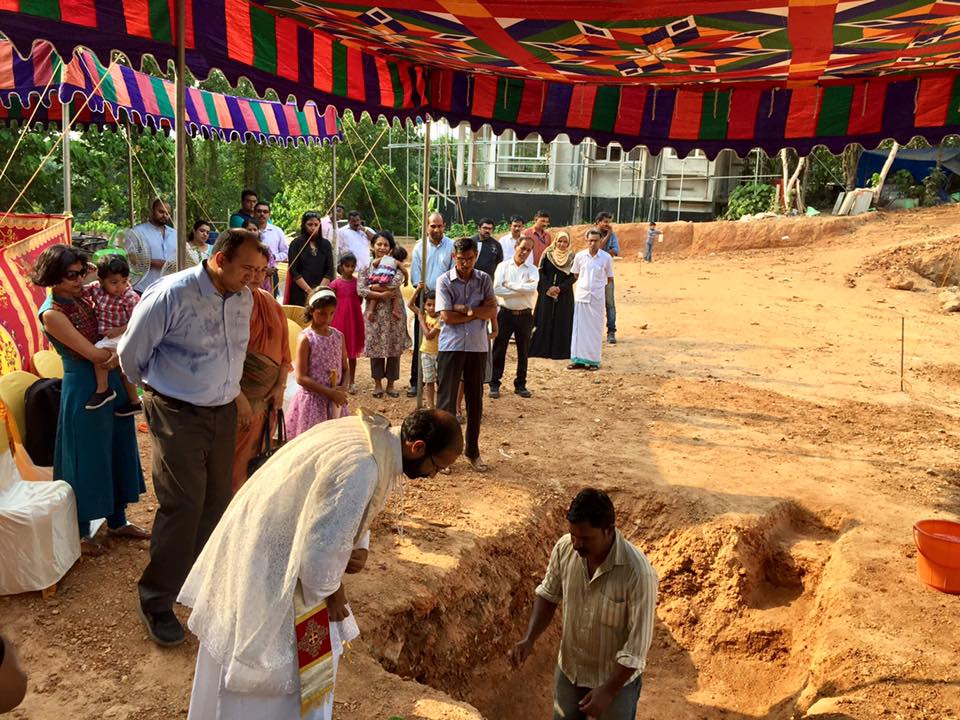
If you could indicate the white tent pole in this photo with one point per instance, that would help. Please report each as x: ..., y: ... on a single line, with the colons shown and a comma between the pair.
x: 423, y: 243
x: 181, y: 133
x: 886, y: 168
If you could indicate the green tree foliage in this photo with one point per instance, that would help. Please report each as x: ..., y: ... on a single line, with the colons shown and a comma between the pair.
x: 750, y: 199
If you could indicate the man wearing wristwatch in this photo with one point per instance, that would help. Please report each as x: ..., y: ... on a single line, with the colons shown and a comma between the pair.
x: 465, y: 302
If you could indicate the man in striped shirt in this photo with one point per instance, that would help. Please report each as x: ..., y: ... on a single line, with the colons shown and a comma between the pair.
x: 609, y: 593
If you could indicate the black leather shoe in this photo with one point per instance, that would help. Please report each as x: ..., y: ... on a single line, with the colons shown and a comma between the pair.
x: 611, y: 339
x: 162, y: 627
x: 494, y: 391
x: 522, y: 392
x: 412, y: 391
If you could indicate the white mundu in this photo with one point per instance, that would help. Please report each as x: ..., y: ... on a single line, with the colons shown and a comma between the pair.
x: 297, y: 519
x: 589, y: 309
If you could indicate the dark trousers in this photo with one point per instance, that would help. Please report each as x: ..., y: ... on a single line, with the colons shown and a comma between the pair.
x: 610, y: 300
x: 192, y: 469
x: 567, y: 697
x: 451, y: 367
x: 385, y: 368
x: 521, y: 327
x: 415, y: 364
x: 274, y: 276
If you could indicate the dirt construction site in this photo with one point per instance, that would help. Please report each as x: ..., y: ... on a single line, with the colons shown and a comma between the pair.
x: 751, y: 428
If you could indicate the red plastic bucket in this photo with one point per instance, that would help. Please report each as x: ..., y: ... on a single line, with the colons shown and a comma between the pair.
x: 938, y: 554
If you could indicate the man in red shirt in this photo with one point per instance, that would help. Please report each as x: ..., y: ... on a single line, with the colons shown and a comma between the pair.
x: 538, y: 233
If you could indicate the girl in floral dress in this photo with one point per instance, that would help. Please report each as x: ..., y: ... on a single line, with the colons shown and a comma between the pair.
x: 322, y: 368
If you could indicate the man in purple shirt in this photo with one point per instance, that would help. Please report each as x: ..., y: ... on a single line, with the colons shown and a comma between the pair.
x: 465, y: 302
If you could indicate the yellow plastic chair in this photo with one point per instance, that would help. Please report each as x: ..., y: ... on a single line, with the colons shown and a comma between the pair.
x: 4, y: 438
x: 294, y: 339
x: 13, y: 386
x: 48, y: 364
x: 295, y: 313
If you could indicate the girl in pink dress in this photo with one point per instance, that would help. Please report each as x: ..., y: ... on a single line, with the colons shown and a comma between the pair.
x: 321, y: 368
x: 348, y: 318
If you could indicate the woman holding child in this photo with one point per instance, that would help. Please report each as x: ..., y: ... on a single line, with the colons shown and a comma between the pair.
x: 95, y: 450
x: 265, y: 371
x: 385, y: 322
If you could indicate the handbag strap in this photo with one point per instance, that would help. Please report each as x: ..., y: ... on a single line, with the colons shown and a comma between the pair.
x: 265, y: 434
x: 281, y: 428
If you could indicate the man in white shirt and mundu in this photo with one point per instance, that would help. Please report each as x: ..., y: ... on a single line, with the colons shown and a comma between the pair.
x: 593, y: 269
x: 515, y: 285
x: 609, y: 594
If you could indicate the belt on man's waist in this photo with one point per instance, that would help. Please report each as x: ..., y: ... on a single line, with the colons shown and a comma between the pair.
x: 525, y: 311
x: 178, y: 402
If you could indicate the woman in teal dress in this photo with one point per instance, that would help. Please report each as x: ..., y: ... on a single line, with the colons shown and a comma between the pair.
x: 95, y: 451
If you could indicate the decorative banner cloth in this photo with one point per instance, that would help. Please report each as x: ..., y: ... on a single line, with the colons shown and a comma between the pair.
x: 22, y: 239
x: 691, y: 74
x: 145, y: 100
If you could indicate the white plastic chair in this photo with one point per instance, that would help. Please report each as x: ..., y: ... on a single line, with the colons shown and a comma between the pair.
x: 38, y: 527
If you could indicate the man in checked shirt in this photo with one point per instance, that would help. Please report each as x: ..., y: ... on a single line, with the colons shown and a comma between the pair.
x: 609, y: 593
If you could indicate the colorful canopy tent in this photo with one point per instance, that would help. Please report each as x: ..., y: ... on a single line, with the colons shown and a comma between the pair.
x: 22, y: 239
x: 121, y: 92
x: 689, y: 74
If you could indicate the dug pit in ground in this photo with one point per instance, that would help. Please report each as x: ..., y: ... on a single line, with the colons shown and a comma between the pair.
x: 737, y: 611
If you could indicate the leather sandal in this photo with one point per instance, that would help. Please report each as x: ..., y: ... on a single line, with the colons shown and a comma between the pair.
x: 129, y: 531
x: 91, y: 548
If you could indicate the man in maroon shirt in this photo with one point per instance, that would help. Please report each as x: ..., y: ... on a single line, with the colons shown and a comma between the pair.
x: 538, y: 233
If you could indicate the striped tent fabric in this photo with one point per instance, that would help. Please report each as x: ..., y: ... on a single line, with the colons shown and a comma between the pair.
x: 694, y: 74
x: 117, y: 92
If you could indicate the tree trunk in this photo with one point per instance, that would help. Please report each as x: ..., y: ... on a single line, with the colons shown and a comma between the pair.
x: 851, y: 156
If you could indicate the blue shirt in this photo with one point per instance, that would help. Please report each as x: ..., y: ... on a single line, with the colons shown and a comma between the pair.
x: 162, y: 241
x: 612, y: 245
x: 187, y: 341
x: 439, y: 261
x: 474, y: 292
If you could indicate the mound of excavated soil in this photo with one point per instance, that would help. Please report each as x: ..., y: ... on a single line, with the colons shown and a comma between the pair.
x: 725, y: 235
x: 938, y: 261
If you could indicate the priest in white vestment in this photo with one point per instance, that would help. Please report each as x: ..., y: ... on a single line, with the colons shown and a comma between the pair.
x: 279, y: 554
x: 593, y: 269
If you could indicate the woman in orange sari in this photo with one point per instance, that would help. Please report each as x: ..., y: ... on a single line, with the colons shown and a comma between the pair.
x: 264, y: 372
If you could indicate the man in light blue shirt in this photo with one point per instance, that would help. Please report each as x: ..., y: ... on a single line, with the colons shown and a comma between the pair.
x: 186, y: 344
x: 439, y: 261
x: 160, y: 238
x: 609, y: 243
x: 465, y: 302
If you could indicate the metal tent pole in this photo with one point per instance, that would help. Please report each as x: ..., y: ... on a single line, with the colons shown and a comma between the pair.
x: 335, y: 232
x: 67, y: 169
x: 423, y: 243
x: 130, y: 197
x: 181, y: 133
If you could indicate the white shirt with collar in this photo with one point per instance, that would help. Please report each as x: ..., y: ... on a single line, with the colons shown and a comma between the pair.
x: 276, y: 242
x: 509, y: 247
x: 516, y: 285
x: 356, y: 242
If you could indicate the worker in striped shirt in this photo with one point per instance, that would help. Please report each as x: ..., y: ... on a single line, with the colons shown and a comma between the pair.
x: 609, y: 594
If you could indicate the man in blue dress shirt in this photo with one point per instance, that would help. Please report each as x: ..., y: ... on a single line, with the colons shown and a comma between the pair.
x: 466, y: 303
x: 439, y: 261
x: 186, y: 344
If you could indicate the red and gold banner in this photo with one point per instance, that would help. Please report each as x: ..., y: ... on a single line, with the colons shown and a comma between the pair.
x: 22, y: 239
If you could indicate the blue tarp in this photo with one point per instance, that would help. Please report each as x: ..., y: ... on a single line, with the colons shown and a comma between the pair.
x: 918, y: 163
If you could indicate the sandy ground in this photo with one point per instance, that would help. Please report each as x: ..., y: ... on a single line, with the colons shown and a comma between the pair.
x: 752, y: 431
